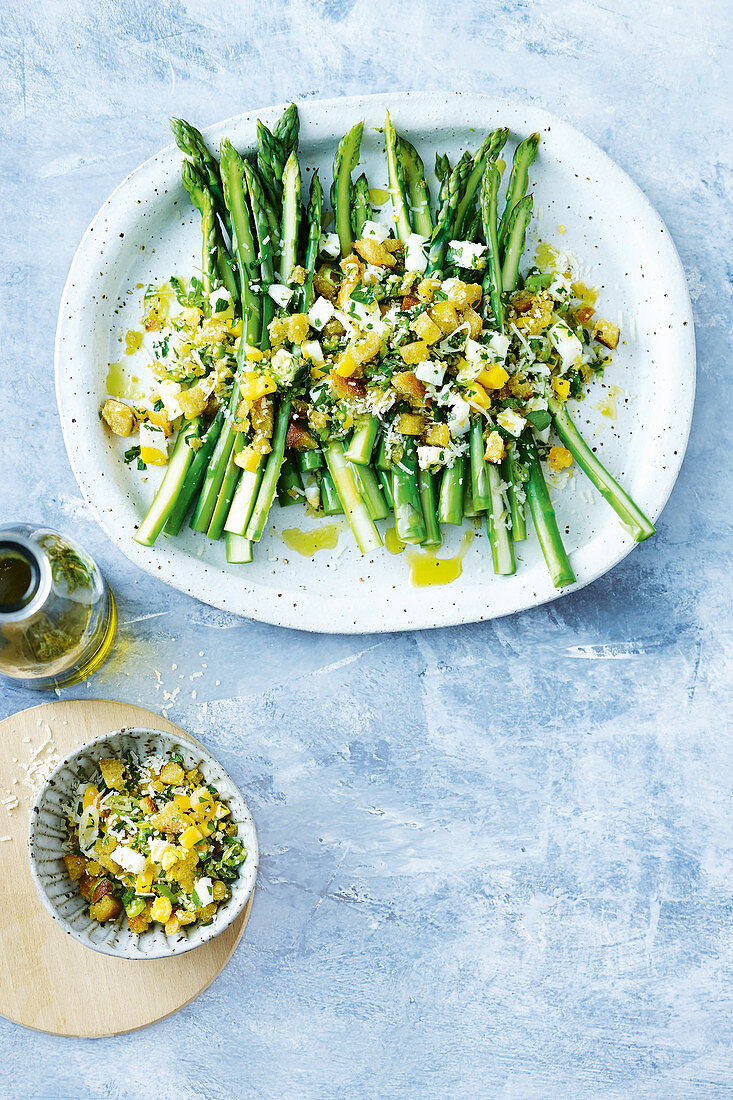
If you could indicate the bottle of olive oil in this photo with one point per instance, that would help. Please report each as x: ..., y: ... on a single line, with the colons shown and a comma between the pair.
x: 58, y: 619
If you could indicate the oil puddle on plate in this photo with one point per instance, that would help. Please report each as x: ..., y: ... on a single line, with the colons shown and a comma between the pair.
x: 426, y: 568
x: 308, y: 543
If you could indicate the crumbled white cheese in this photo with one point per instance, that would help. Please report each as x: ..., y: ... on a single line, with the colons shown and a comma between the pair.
x: 283, y: 366
x: 320, y: 313
x: 431, y: 372
x: 459, y: 416
x: 566, y: 343
x: 158, y: 848
x: 429, y: 456
x: 330, y: 245
x: 203, y: 893
x: 153, y: 438
x: 220, y: 299
x: 280, y: 293
x: 511, y: 422
x: 499, y: 344
x: 130, y: 860
x: 466, y: 254
x: 168, y: 392
x: 312, y: 350
x: 415, y: 258
x: 375, y: 231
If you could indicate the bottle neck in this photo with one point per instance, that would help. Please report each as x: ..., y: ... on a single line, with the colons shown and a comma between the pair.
x: 21, y: 577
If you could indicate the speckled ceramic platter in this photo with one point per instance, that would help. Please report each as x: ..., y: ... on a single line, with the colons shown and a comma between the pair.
x: 638, y: 419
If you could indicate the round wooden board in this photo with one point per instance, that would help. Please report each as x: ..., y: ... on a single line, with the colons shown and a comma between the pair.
x: 48, y: 981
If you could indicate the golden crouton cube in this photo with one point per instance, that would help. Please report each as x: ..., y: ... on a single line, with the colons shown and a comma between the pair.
x: 409, y: 387
x: 426, y: 289
x: 159, y: 417
x: 410, y: 424
x: 87, y: 885
x: 113, y: 773
x: 169, y: 819
x: 118, y: 416
x: 494, y: 448
x: 375, y: 253
x: 107, y: 908
x: 438, y: 435
x: 75, y: 866
x: 606, y: 333
x: 445, y: 316
x: 298, y: 326
x: 171, y: 774
x: 141, y: 922
x: 192, y: 401
x: 426, y: 329
x: 416, y: 352
x: 471, y: 318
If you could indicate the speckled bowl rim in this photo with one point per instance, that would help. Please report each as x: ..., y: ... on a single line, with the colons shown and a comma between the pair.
x: 247, y: 879
x: 314, y: 611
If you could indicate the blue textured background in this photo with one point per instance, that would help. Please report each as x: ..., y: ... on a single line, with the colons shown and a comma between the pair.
x: 497, y: 859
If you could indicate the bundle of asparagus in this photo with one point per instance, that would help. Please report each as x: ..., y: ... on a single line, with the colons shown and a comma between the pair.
x: 405, y: 369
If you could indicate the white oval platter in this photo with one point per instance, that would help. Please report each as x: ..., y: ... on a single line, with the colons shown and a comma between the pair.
x: 146, y: 231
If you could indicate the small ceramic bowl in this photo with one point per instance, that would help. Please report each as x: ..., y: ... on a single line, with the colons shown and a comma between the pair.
x: 48, y: 833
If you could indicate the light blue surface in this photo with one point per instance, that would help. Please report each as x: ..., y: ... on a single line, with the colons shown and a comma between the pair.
x: 497, y: 859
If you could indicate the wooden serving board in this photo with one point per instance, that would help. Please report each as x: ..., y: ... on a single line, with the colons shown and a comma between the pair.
x: 48, y: 981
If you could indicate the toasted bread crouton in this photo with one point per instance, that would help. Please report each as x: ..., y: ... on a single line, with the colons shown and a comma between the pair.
x: 606, y: 333
x: 375, y: 253
x: 410, y: 388
x: 119, y: 417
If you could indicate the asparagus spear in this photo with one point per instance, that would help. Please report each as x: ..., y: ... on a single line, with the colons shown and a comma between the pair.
x: 396, y: 182
x: 270, y: 476
x: 202, y: 199
x: 450, y: 506
x: 442, y: 173
x: 217, y: 265
x: 194, y: 476
x: 232, y: 170
x: 174, y: 476
x: 544, y: 518
x: 240, y: 488
x: 287, y: 130
x: 488, y: 150
x: 417, y: 188
x: 628, y: 512
x: 492, y: 278
x: 345, y: 161
x: 426, y: 485
x: 499, y: 525
x: 515, y: 475
x: 314, y: 218
x: 288, y: 255
x: 361, y: 209
x: 366, y: 534
x: 270, y: 162
x: 482, y: 497
x: 524, y: 155
x: 266, y: 248
x: 331, y: 503
x: 519, y: 219
x: 291, y: 218
x: 443, y: 231
x: 191, y: 142
x: 409, y: 522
